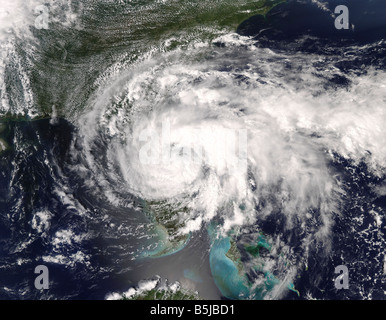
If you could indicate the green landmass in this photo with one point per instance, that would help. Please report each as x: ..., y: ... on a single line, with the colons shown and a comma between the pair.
x: 167, y: 220
x: 165, y: 294
x: 205, y: 13
x: 234, y: 255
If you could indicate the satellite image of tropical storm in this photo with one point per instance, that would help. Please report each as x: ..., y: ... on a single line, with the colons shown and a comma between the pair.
x: 192, y: 150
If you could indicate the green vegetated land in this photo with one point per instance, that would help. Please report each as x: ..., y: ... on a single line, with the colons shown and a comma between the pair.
x: 234, y: 254
x: 165, y: 294
x: 167, y: 218
x: 203, y: 13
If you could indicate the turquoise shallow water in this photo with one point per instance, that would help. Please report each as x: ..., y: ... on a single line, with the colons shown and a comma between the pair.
x: 233, y: 282
x: 225, y: 272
